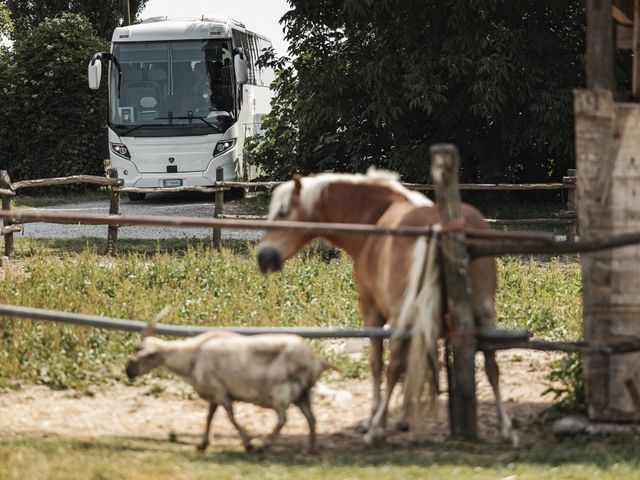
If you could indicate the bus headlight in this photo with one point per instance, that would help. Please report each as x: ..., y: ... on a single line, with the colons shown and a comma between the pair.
x: 223, y: 146
x: 120, y: 150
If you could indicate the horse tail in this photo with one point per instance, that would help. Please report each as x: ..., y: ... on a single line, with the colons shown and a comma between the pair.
x: 421, y: 311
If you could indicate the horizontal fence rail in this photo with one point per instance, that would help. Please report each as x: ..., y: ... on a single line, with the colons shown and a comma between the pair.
x: 487, y: 338
x: 27, y: 216
x: 430, y: 187
x: 72, y: 180
x: 211, y: 189
x: 491, y: 221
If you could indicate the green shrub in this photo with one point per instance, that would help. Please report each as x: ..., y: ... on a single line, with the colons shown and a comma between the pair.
x: 50, y: 122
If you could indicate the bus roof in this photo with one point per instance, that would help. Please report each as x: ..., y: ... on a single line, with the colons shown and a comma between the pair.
x: 179, y: 28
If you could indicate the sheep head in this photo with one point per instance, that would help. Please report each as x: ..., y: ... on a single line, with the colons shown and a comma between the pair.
x: 147, y: 356
x: 149, y: 352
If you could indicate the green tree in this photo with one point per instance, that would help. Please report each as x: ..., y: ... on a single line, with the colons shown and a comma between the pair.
x: 6, y: 26
x: 378, y: 82
x: 104, y: 15
x: 50, y: 122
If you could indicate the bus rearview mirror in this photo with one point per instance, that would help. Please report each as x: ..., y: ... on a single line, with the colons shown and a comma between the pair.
x: 94, y: 73
x: 240, y: 66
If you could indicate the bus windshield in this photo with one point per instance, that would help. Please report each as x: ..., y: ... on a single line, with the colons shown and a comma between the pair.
x: 172, y: 84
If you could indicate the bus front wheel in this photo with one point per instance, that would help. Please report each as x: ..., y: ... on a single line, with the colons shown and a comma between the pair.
x: 135, y: 196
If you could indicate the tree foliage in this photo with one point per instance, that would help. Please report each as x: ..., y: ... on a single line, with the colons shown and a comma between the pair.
x: 6, y: 26
x: 105, y: 15
x: 50, y: 122
x: 378, y: 82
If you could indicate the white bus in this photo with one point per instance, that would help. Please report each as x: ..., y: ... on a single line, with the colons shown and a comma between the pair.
x: 184, y: 94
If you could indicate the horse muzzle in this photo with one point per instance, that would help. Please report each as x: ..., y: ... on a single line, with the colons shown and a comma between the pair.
x: 269, y: 259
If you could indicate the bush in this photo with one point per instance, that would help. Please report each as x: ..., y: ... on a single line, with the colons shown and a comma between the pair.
x: 50, y: 122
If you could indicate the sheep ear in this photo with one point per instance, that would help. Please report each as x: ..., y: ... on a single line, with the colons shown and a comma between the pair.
x: 148, y: 330
x: 297, y: 185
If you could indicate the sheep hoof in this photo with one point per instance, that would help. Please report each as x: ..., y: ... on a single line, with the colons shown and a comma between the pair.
x: 202, y: 446
x: 402, y: 426
x: 375, y: 436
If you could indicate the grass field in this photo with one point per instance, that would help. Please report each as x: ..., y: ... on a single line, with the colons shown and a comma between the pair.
x: 208, y: 288
x: 118, y: 458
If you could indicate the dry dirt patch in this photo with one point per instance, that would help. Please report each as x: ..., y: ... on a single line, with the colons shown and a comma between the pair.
x: 132, y: 411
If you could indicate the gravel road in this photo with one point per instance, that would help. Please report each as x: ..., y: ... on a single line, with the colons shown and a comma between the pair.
x: 173, y: 205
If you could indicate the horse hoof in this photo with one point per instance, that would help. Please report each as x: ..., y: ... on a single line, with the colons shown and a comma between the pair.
x: 402, y: 426
x: 363, y: 426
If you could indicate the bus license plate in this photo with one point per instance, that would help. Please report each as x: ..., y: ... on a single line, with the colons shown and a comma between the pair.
x: 177, y: 182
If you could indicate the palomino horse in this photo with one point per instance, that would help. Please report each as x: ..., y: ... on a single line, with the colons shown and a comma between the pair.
x: 393, y: 283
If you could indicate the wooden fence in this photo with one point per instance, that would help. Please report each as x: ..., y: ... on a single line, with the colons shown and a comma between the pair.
x: 8, y: 190
x: 463, y: 341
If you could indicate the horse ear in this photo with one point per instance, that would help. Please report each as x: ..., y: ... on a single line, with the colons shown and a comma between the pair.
x: 297, y: 184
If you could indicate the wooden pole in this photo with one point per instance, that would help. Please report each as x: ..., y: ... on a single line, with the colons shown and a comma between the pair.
x: 217, y: 210
x: 635, y: 87
x: 461, y: 348
x: 570, y: 180
x: 5, y: 183
x: 114, y: 209
x: 126, y: 5
x: 600, y: 45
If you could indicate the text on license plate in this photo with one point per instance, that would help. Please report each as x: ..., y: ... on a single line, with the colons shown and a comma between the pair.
x: 174, y: 182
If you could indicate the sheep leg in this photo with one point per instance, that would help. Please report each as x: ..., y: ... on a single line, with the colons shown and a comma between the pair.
x: 282, y: 419
x: 304, y: 404
x: 205, y: 439
x: 395, y: 369
x: 246, y: 438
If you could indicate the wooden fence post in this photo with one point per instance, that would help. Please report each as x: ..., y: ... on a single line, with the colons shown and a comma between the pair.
x: 461, y: 348
x: 572, y: 206
x: 114, y: 209
x: 5, y: 182
x: 217, y: 210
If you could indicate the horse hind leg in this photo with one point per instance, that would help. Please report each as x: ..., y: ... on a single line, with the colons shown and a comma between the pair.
x: 484, y: 307
x: 375, y: 359
x: 397, y: 366
x: 493, y: 375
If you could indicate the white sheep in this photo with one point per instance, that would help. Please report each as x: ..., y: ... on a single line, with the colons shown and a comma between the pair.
x: 271, y: 371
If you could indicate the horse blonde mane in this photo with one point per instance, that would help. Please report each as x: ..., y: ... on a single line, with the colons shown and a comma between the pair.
x: 312, y: 188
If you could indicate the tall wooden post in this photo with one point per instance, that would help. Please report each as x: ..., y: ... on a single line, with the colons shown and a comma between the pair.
x: 217, y: 210
x: 635, y: 77
x: 114, y: 209
x: 126, y: 6
x: 608, y: 165
x: 5, y: 182
x: 600, y: 45
x: 461, y: 350
x: 572, y: 208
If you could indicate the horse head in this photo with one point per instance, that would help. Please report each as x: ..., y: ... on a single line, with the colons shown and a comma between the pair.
x: 277, y: 246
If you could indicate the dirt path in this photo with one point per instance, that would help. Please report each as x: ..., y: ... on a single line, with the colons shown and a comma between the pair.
x: 118, y: 410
